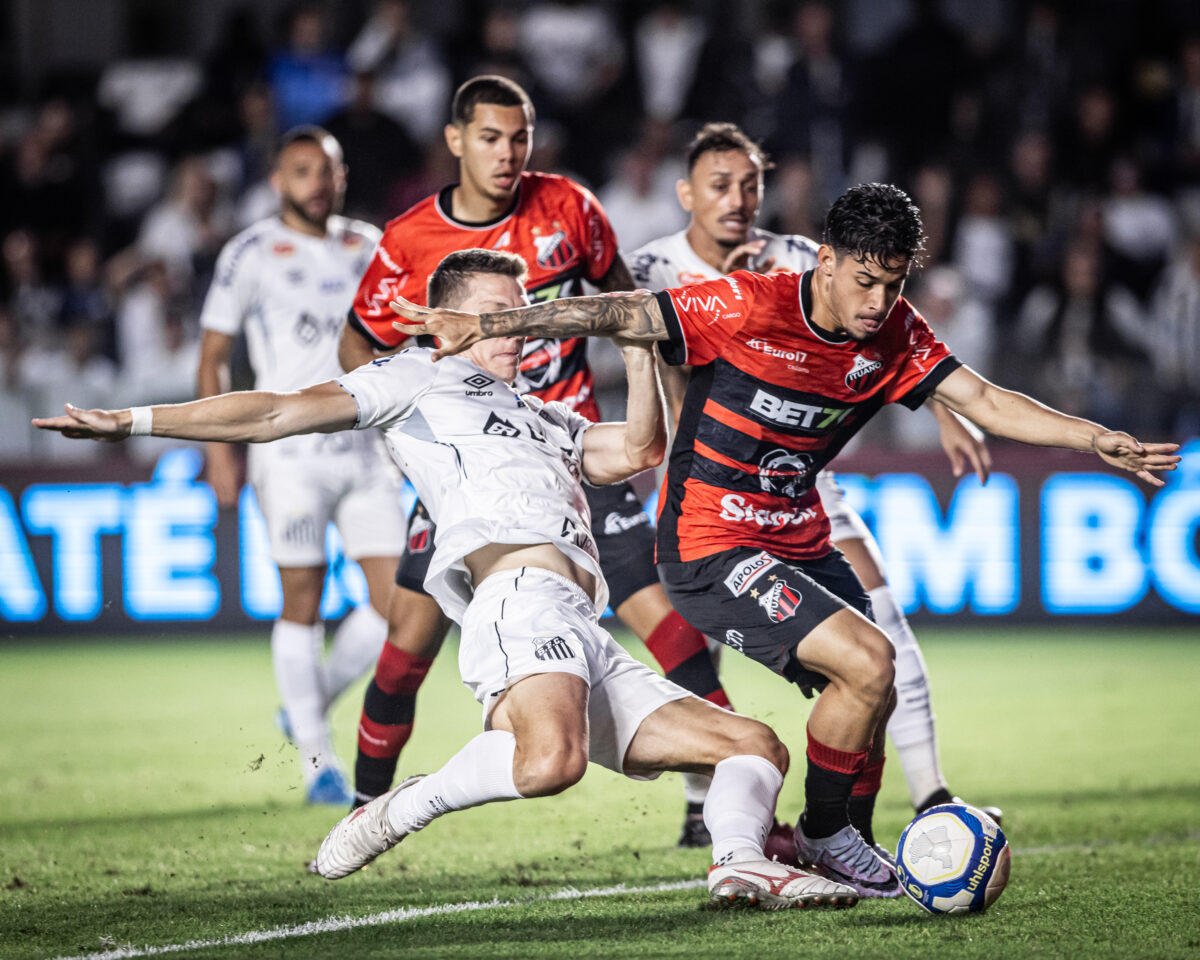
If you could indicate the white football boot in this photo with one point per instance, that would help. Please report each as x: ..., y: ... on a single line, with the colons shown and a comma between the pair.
x: 359, y: 837
x: 769, y: 885
x: 846, y: 858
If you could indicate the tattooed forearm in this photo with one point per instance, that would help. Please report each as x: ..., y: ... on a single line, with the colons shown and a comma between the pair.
x: 635, y: 316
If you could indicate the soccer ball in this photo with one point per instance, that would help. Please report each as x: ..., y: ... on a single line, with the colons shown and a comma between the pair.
x: 953, y: 859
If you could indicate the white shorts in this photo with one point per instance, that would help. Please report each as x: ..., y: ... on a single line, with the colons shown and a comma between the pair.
x: 531, y: 621
x: 354, y: 485
x: 844, y: 521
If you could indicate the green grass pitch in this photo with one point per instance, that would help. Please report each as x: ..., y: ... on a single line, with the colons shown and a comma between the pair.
x: 146, y: 801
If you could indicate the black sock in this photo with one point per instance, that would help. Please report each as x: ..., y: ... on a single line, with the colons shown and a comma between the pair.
x: 862, y: 810
x: 827, y: 796
x: 695, y: 809
x: 938, y: 796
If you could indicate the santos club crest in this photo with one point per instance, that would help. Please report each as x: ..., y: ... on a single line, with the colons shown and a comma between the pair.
x: 864, y: 373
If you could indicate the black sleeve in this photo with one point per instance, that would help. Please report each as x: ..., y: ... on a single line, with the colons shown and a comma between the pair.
x: 927, y: 384
x: 674, y: 348
x: 355, y: 323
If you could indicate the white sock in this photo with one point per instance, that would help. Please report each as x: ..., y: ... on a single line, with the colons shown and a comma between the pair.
x: 481, y: 772
x: 356, y: 646
x: 740, y: 806
x: 295, y: 654
x: 911, y: 725
x: 695, y: 787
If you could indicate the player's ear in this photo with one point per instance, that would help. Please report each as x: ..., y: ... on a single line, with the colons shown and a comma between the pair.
x: 454, y: 139
x: 683, y: 190
x: 826, y: 259
x: 276, y: 181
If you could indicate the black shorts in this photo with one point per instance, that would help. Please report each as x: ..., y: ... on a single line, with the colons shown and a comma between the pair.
x: 620, y: 526
x: 763, y: 605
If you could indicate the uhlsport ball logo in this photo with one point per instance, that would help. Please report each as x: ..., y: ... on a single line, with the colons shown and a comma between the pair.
x: 953, y: 859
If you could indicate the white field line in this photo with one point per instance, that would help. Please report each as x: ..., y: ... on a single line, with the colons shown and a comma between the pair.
x: 399, y: 915
x: 402, y: 914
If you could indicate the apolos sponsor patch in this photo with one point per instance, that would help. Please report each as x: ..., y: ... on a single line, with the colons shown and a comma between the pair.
x: 746, y: 571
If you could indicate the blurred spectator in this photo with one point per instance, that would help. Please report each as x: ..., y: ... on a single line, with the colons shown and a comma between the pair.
x: 933, y: 192
x: 667, y: 43
x: 1139, y: 228
x: 573, y: 49
x: 142, y: 320
x: 1187, y: 113
x: 810, y: 112
x: 185, y: 231
x: 378, y: 150
x: 1082, y: 340
x: 495, y: 47
x: 983, y: 244
x: 308, y: 81
x: 43, y: 187
x: 75, y: 371
x: 16, y: 408
x: 1090, y: 144
x: 85, y: 299
x: 1037, y: 213
x: 1175, y: 341
x: 412, y: 82
x: 34, y: 303
x: 640, y: 200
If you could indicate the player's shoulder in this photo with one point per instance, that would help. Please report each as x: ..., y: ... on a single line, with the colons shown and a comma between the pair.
x: 247, y: 246
x: 354, y: 233
x: 554, y: 188
x: 904, y: 324
x: 790, y: 250
x: 655, y: 264
x: 419, y: 212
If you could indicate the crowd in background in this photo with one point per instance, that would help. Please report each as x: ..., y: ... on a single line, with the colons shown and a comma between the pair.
x: 1054, y: 150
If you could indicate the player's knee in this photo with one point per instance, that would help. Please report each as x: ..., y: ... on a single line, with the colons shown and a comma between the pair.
x: 874, y: 667
x: 752, y: 738
x: 548, y: 770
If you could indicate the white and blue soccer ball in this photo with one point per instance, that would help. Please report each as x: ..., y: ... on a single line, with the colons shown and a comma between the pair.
x: 953, y: 859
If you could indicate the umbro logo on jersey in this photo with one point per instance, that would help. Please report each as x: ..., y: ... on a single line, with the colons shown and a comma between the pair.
x: 499, y: 427
x: 555, y: 250
x: 862, y: 374
x: 781, y: 601
x: 478, y: 381
x: 552, y: 648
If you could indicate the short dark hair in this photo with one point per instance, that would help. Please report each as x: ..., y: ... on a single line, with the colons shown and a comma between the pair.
x: 720, y: 137
x: 447, y: 283
x: 488, y: 88
x: 876, y: 221
x: 305, y: 133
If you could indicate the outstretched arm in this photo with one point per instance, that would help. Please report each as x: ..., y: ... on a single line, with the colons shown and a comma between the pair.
x: 634, y: 316
x: 251, y: 416
x: 615, y: 451
x: 1006, y: 413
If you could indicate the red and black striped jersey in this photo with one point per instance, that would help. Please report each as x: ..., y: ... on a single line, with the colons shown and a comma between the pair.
x: 772, y: 399
x: 555, y: 224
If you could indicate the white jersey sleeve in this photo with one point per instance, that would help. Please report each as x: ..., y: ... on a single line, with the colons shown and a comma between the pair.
x: 232, y: 293
x: 388, y: 389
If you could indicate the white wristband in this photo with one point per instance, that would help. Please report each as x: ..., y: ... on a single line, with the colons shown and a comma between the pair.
x: 143, y: 418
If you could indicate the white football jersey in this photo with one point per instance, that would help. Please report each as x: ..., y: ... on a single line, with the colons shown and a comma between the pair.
x: 290, y: 293
x: 670, y: 261
x: 491, y: 466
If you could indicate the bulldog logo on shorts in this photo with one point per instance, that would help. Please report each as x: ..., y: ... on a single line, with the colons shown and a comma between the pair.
x: 552, y: 648
x: 780, y: 601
